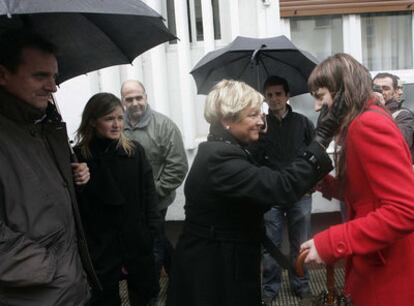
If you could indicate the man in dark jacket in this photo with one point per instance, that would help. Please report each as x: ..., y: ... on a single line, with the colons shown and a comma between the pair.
x: 288, y: 134
x: 402, y: 116
x: 42, y: 247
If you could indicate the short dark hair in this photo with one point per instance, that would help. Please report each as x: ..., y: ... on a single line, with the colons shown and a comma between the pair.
x: 275, y: 80
x: 13, y: 42
x: 383, y: 75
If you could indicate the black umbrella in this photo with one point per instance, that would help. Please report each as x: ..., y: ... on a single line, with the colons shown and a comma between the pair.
x: 252, y: 60
x: 90, y: 34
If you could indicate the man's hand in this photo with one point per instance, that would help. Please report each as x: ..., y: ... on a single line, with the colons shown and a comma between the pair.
x: 313, y: 255
x: 330, y: 119
x: 81, y: 173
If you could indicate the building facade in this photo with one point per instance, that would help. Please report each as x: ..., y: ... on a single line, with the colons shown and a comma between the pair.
x: 378, y: 33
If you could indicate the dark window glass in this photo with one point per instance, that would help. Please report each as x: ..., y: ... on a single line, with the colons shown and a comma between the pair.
x: 171, y: 19
x: 216, y: 19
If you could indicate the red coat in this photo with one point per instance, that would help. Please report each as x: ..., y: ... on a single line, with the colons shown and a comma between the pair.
x: 378, y: 240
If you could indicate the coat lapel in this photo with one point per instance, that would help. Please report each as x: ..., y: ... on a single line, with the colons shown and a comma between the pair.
x: 56, y: 136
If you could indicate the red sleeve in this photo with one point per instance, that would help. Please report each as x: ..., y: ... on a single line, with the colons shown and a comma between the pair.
x: 379, y: 167
x: 329, y: 187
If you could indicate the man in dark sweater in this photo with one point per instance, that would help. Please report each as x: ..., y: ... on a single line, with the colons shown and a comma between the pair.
x: 402, y: 116
x: 288, y: 134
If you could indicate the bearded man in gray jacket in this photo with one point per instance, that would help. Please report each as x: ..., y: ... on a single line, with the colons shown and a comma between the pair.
x: 164, y: 148
x: 43, y: 251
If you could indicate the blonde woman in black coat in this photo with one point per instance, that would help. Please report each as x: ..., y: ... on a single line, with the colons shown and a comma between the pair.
x: 118, y: 207
x: 217, y: 260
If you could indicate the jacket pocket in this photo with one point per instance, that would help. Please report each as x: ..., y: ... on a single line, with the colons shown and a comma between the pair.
x: 52, y: 241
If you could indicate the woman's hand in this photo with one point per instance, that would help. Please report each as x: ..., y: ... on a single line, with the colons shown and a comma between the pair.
x: 313, y: 255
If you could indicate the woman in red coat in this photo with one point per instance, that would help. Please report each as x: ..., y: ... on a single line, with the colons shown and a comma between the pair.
x: 376, y: 180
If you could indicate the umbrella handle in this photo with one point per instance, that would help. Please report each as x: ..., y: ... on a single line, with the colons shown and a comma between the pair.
x: 330, y: 276
x: 300, y: 262
x: 330, y: 285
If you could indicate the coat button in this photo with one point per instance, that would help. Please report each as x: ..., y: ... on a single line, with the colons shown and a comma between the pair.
x: 341, y: 248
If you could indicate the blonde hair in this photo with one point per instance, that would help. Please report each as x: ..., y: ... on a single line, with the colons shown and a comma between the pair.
x: 228, y: 99
x: 98, y: 106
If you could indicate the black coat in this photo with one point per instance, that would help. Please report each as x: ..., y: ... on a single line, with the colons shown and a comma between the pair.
x: 217, y: 260
x: 118, y: 209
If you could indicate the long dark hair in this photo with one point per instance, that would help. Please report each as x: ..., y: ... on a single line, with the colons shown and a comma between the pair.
x: 98, y: 106
x: 343, y: 71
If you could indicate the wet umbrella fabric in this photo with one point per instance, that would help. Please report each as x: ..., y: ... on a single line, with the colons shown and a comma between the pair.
x: 252, y: 60
x: 89, y: 34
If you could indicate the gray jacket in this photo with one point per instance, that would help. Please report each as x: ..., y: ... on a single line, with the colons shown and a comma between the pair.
x: 40, y: 262
x: 165, y: 151
x: 404, y: 118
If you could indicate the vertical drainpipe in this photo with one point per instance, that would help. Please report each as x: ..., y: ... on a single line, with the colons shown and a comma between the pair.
x: 186, y: 84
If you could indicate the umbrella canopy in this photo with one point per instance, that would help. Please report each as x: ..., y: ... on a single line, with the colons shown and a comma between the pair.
x: 89, y: 34
x: 252, y: 60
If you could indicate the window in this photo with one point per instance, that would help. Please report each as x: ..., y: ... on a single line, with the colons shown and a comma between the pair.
x: 387, y: 41
x: 292, y: 8
x: 195, y: 19
x: 320, y: 35
x: 198, y: 19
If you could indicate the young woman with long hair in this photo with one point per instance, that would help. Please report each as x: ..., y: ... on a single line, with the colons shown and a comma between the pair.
x: 375, y: 179
x: 117, y: 206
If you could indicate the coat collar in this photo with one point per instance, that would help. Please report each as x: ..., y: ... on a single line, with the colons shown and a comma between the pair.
x: 289, y: 110
x: 143, y: 121
x: 18, y: 110
x: 104, y: 146
x: 219, y: 133
x: 392, y: 105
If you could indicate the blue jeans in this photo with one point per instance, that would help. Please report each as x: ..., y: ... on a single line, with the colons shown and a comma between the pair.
x: 298, y: 218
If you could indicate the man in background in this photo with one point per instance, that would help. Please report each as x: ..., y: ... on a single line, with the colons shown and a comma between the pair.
x: 288, y: 134
x: 402, y: 116
x: 400, y: 91
x: 164, y: 148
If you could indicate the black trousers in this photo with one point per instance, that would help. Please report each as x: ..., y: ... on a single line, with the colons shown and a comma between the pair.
x: 163, y: 249
x: 141, y: 281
